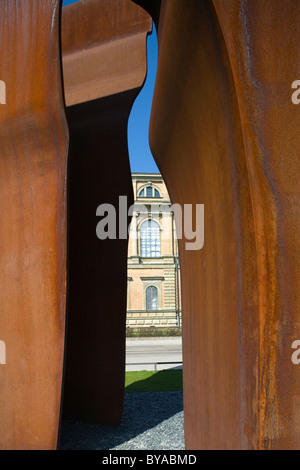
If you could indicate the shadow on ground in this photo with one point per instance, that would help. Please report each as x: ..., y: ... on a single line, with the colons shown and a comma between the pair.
x: 143, y: 422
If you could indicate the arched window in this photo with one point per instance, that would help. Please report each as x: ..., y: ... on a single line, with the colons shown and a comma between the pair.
x: 149, y: 192
x: 151, y: 298
x: 150, y: 239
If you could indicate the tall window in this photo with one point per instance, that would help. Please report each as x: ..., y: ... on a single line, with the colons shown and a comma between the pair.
x: 150, y: 239
x: 152, y: 298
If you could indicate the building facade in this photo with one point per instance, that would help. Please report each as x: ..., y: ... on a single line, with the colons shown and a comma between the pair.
x: 153, y: 268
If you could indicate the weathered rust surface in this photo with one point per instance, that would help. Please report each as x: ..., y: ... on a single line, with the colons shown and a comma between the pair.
x: 103, y: 46
x: 33, y: 151
x: 224, y: 132
x: 99, y: 173
x: 196, y: 138
x: 262, y: 39
x: 103, y: 55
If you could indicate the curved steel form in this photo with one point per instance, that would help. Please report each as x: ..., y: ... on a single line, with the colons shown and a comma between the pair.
x: 224, y: 132
x: 223, y: 120
x: 104, y: 69
x: 33, y: 156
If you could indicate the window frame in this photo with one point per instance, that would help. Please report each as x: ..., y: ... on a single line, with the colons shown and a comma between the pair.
x: 153, y: 299
x: 145, y: 189
x: 150, y: 246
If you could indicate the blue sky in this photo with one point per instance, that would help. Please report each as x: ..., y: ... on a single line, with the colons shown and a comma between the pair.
x: 141, y: 159
x: 67, y: 2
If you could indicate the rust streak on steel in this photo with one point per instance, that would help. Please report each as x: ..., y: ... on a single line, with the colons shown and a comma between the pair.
x: 104, y: 59
x: 224, y: 121
x: 196, y: 133
x: 224, y: 133
x: 33, y: 155
x: 104, y: 49
x: 262, y: 39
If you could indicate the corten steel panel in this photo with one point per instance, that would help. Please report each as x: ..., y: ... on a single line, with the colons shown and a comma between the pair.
x: 99, y: 172
x: 263, y: 40
x: 152, y: 7
x: 33, y: 151
x: 103, y: 45
x: 196, y: 138
x: 224, y: 133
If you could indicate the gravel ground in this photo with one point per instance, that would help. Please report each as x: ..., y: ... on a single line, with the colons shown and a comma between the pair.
x: 151, y: 421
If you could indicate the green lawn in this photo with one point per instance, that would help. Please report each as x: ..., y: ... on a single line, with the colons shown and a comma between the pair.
x: 161, y: 381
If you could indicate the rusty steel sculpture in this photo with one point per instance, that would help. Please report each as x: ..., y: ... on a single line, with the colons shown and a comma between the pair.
x: 224, y: 133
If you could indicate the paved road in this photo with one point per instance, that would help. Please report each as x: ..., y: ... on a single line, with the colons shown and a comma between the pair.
x: 142, y: 351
